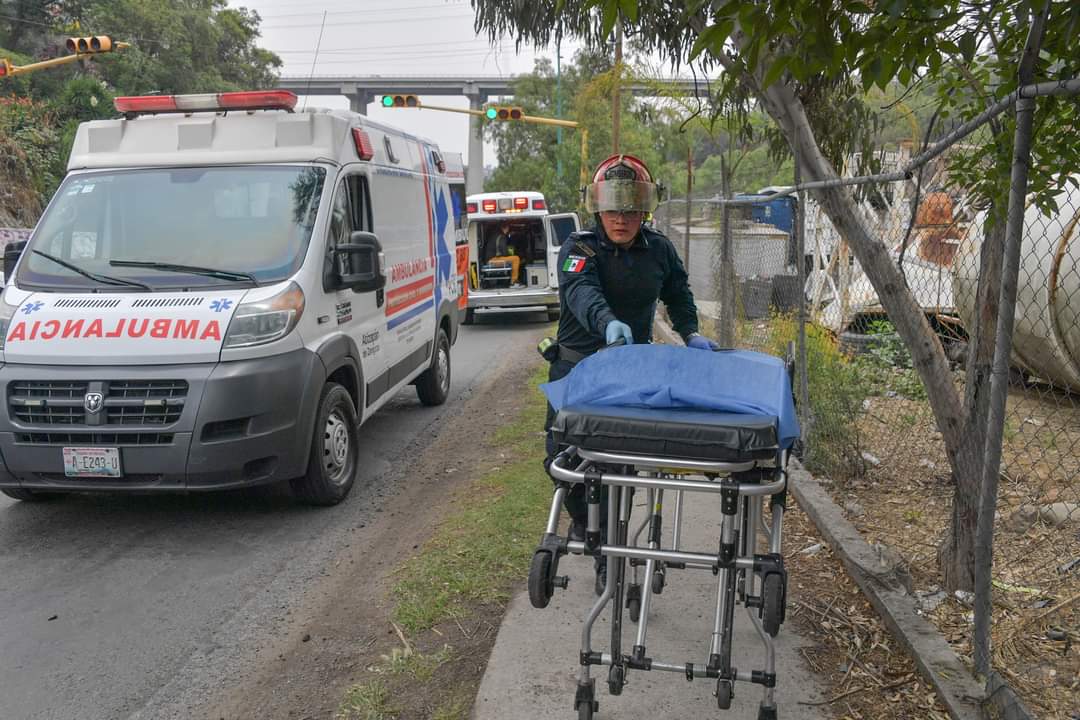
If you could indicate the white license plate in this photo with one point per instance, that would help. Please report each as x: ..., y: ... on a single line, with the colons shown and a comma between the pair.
x: 92, y: 462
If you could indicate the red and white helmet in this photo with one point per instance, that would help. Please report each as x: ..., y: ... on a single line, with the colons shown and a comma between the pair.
x: 622, y: 183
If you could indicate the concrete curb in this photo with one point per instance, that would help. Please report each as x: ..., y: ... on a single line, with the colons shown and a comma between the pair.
x: 933, y: 656
x: 935, y: 659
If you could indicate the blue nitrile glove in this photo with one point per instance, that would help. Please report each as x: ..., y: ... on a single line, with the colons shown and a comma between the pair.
x: 700, y: 342
x: 618, y: 331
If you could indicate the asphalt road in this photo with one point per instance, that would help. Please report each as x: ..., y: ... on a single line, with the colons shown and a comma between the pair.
x: 136, y: 607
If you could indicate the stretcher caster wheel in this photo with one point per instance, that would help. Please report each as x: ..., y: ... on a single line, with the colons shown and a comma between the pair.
x: 616, y: 679
x: 658, y: 581
x: 633, y: 602
x: 766, y: 713
x: 540, y: 584
x: 772, y: 603
x: 724, y: 693
x: 583, y: 701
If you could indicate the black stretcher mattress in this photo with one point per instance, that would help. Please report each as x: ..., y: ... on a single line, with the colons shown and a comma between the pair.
x: 674, y: 433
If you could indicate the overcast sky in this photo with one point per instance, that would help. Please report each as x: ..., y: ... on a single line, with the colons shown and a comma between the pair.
x: 391, y: 37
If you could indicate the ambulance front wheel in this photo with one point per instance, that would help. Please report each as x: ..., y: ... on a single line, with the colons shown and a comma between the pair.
x: 332, y: 463
x: 433, y: 385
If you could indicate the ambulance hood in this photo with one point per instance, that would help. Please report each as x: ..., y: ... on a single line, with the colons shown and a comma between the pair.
x: 118, y: 329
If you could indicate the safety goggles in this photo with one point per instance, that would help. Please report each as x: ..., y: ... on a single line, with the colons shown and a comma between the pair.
x: 621, y: 196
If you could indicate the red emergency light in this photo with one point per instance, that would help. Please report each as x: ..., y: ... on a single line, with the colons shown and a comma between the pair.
x: 208, y: 102
x: 539, y: 205
x: 490, y: 206
x: 470, y: 207
x: 521, y: 203
x: 364, y: 149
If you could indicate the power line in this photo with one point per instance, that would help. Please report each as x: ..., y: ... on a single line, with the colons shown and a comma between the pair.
x: 397, y: 21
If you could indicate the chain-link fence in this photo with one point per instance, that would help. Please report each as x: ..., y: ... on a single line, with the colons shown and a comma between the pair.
x: 872, y: 428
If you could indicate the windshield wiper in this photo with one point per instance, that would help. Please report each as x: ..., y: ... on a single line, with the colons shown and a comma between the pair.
x: 104, y: 279
x: 233, y: 275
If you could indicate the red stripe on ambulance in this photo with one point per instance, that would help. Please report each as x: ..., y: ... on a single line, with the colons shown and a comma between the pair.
x: 406, y: 295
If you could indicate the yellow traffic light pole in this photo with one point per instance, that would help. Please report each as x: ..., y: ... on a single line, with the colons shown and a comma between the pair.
x: 523, y: 118
x: 105, y: 44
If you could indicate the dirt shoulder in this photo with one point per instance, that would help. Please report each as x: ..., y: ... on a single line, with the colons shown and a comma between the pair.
x: 343, y: 628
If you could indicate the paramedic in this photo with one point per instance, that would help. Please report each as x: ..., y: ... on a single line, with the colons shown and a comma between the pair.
x: 505, y: 252
x: 610, y: 279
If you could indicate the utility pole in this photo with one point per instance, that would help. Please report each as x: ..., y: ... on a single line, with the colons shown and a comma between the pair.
x: 558, y: 107
x: 617, y: 94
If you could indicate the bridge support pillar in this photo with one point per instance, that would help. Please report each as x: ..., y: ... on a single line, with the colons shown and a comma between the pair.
x: 474, y: 173
x: 359, y: 100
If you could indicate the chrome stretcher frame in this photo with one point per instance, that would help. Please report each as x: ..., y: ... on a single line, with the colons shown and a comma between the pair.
x: 757, y: 580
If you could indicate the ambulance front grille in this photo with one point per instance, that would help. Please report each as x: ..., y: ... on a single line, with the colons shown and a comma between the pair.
x: 122, y: 402
x: 47, y: 402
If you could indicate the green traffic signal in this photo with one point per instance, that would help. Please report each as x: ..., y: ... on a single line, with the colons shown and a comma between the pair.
x: 491, y: 113
x: 387, y: 101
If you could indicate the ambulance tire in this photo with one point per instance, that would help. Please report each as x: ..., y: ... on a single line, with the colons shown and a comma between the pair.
x: 554, y: 314
x: 470, y: 316
x: 433, y: 385
x: 30, y: 495
x: 332, y: 464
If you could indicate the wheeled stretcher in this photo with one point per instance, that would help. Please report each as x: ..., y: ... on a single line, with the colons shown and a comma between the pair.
x: 663, y: 451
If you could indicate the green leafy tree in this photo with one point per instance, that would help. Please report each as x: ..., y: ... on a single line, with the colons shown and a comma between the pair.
x: 808, y: 63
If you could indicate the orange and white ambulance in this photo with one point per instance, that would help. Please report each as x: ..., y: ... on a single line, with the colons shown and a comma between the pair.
x: 513, y: 251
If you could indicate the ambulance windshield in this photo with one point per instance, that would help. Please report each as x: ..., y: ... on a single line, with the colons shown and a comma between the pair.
x: 252, y: 221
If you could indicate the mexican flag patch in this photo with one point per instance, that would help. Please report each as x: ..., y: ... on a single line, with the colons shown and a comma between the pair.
x: 574, y: 264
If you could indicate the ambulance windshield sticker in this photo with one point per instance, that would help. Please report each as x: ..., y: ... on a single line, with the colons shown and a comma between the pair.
x: 574, y: 264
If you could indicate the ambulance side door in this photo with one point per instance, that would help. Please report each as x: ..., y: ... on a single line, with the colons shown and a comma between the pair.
x: 359, y: 315
x: 558, y: 228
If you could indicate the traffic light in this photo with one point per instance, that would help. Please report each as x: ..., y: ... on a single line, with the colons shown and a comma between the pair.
x: 92, y: 44
x: 398, y: 101
x: 504, y: 112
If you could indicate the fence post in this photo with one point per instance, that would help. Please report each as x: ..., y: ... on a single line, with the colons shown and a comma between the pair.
x: 800, y: 261
x: 727, y: 279
x: 999, y: 378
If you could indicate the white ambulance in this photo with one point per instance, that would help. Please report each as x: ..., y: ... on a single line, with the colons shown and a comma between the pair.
x: 219, y: 293
x: 513, y: 250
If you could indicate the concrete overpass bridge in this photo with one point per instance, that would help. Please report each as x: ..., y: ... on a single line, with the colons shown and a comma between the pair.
x: 363, y: 89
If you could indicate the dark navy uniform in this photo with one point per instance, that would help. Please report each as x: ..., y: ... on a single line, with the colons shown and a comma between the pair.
x: 600, y: 282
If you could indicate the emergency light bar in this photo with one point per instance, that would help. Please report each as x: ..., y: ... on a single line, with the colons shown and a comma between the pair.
x: 470, y: 207
x: 209, y: 102
x: 507, y: 205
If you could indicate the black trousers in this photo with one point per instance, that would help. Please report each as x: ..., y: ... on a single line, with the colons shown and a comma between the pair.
x: 575, y: 503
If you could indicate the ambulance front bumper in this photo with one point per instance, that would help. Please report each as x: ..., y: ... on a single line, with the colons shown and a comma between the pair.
x: 176, y: 428
x: 513, y: 298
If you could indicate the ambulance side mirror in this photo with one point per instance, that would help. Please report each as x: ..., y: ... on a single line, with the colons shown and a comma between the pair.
x: 363, y: 259
x: 12, y: 252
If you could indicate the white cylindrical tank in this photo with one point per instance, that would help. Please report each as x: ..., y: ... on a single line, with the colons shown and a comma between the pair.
x: 1046, y: 337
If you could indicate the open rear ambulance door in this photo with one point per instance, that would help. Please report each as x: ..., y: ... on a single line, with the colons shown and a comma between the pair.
x: 558, y: 228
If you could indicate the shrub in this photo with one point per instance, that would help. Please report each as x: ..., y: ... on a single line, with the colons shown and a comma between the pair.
x: 837, y: 389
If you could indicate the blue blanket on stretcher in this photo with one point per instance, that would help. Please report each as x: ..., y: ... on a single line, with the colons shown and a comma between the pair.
x: 664, y: 376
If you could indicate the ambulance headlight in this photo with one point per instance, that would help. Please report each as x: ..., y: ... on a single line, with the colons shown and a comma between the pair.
x: 6, y: 313
x: 257, y: 323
